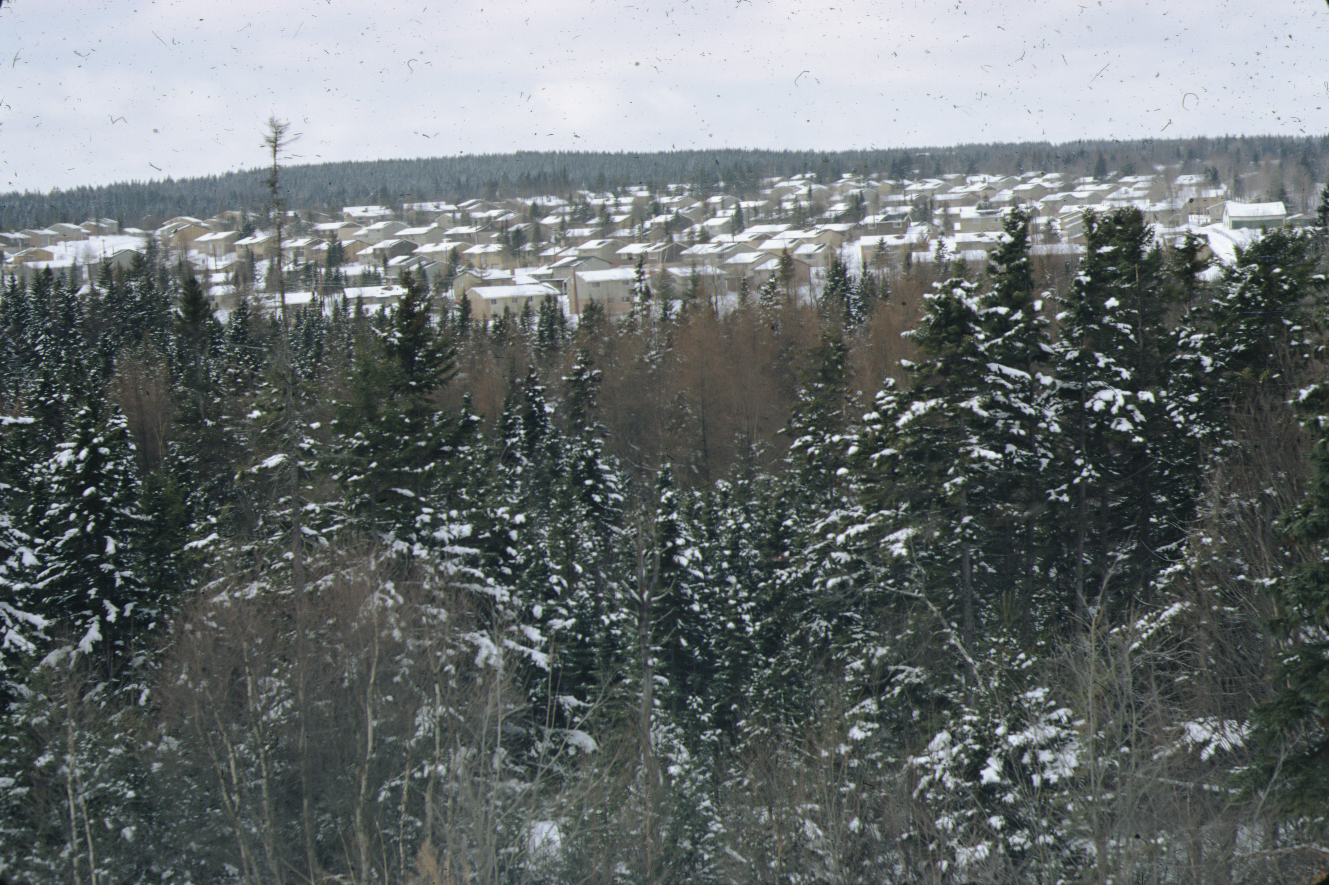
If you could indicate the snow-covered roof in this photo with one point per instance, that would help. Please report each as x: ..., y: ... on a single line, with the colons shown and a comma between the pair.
x: 528, y: 290
x: 1255, y: 210
x: 605, y: 276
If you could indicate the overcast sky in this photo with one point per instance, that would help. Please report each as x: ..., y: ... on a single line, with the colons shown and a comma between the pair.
x: 96, y: 91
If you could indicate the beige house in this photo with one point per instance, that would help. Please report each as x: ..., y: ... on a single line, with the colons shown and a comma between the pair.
x: 713, y: 254
x: 39, y: 238
x: 971, y: 219
x: 421, y: 235
x: 380, y: 231
x: 488, y: 302
x: 654, y: 255
x: 69, y: 232
x: 385, y: 250
x: 488, y: 256
x: 300, y: 249
x: 336, y: 230
x: 757, y: 268
x: 218, y: 244
x: 611, y: 288
x: 181, y: 233
x: 32, y: 254
x: 262, y: 245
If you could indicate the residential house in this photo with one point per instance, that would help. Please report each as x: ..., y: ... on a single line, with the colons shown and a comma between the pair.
x: 417, y: 213
x: 181, y: 232
x: 418, y: 266
x: 611, y: 288
x: 366, y: 215
x: 1247, y: 216
x: 40, y: 238
x: 606, y: 249
x: 336, y: 230
x: 380, y: 231
x: 488, y: 302
x: 68, y: 232
x: 98, y: 227
x: 422, y: 235
x: 971, y: 219
x: 489, y: 256
x: 217, y: 244
x: 561, y: 271
x: 889, y: 221
x: 263, y: 245
x: 713, y: 254
x: 653, y: 255
x: 300, y: 249
x: 385, y: 250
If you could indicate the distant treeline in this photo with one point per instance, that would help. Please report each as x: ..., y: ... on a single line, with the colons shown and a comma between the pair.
x: 527, y: 173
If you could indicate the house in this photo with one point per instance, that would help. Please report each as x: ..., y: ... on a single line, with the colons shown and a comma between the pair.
x: 218, y: 244
x: 488, y: 302
x: 473, y: 276
x: 488, y: 255
x: 335, y: 230
x: 757, y: 268
x: 380, y: 231
x: 39, y: 238
x: 101, y: 226
x: 366, y: 215
x: 611, y: 288
x: 180, y: 233
x: 713, y: 254
x: 1246, y: 216
x: 123, y: 259
x: 69, y: 232
x: 605, y: 249
x: 442, y: 250
x: 971, y: 219
x: 416, y: 264
x: 880, y: 250
x: 434, y: 212
x: 385, y: 250
x: 300, y: 250
x: 561, y: 271
x: 262, y: 245
x: 31, y: 255
x: 653, y: 255
x: 721, y: 225
x: 467, y: 234
x: 889, y: 221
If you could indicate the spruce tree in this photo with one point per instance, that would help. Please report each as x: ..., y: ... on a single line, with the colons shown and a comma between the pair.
x: 1294, y: 724
x: 87, y: 578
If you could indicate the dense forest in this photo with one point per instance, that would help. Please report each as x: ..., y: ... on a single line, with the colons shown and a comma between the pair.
x: 1296, y: 164
x: 947, y: 574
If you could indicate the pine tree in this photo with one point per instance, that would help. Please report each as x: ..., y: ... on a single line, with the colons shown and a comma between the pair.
x: 837, y: 295
x: 87, y: 578
x: 1294, y: 723
x: 396, y: 440
x: 1020, y: 412
x: 923, y: 456
x: 20, y: 626
x: 1120, y: 505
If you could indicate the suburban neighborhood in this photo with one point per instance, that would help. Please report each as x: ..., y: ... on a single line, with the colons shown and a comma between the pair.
x: 504, y: 254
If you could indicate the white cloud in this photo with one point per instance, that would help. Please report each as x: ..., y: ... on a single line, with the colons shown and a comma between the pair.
x: 83, y: 88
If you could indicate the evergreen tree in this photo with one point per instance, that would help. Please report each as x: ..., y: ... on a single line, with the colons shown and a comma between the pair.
x: 1294, y: 723
x: 87, y: 578
x: 1121, y: 485
x: 837, y: 297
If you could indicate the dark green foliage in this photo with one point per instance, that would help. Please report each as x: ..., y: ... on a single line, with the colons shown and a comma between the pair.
x: 1294, y: 723
x: 87, y: 578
